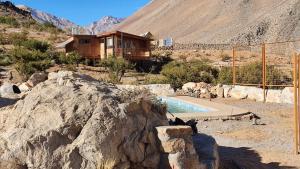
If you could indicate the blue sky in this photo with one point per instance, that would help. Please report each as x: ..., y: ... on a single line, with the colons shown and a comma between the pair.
x: 84, y: 12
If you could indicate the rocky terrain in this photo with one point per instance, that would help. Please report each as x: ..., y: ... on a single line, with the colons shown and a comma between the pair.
x: 72, y: 121
x: 81, y: 122
x: 22, y: 21
x: 102, y: 25
x: 218, y: 21
x: 44, y: 17
x: 9, y: 9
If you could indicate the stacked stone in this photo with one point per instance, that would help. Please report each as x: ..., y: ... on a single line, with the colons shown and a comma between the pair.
x: 177, y: 147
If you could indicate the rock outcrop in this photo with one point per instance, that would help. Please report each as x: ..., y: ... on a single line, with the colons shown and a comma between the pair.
x: 156, y: 89
x: 177, y: 144
x: 71, y: 121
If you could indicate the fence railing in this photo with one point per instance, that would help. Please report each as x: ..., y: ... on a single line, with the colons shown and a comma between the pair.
x: 265, y: 65
x: 280, y: 67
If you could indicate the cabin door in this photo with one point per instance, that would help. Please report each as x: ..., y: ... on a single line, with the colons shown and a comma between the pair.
x: 102, y: 49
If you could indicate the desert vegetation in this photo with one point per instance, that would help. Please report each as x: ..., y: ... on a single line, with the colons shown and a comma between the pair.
x: 28, y: 55
x: 11, y: 21
x: 116, y: 67
x: 179, y: 73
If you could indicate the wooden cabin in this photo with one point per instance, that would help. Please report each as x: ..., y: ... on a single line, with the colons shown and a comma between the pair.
x: 119, y: 44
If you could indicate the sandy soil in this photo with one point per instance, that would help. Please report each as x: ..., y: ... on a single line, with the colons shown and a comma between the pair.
x: 266, y: 146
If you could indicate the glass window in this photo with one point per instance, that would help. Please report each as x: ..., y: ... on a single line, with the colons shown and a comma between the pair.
x: 110, y: 42
x: 84, y: 41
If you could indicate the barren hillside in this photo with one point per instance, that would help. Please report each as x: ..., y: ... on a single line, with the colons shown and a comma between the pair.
x: 218, y: 21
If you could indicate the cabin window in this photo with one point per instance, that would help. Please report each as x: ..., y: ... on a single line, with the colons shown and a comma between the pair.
x: 84, y: 41
x: 110, y: 42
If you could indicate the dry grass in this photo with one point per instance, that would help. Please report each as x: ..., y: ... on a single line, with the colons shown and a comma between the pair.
x: 106, y: 164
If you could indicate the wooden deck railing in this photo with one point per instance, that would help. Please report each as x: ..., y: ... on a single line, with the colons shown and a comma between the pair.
x: 134, y: 53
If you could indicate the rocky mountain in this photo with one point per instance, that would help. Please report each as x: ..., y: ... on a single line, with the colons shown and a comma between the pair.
x: 104, y: 24
x: 9, y: 9
x: 44, y: 17
x: 218, y: 21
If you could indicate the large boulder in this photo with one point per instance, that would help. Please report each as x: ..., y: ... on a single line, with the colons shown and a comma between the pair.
x: 256, y: 94
x: 24, y: 87
x: 73, y: 122
x: 274, y: 96
x: 287, y: 95
x: 239, y: 92
x: 227, y: 89
x: 189, y: 86
x: 37, y: 78
x: 177, y: 144
x: 9, y: 90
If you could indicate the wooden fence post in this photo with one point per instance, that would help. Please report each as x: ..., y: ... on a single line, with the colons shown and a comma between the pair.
x: 297, y: 102
x: 233, y: 67
x: 264, y: 70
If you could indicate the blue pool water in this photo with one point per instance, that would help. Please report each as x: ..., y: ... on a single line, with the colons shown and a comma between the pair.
x: 179, y: 106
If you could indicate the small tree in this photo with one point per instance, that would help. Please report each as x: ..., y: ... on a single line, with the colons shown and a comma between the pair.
x: 71, y: 58
x: 179, y: 73
x: 117, y: 67
x: 28, y: 61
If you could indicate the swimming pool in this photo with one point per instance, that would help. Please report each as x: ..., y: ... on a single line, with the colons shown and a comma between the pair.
x: 180, y: 106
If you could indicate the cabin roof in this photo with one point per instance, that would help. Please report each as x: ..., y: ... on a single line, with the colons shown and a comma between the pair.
x: 105, y: 34
x: 63, y: 44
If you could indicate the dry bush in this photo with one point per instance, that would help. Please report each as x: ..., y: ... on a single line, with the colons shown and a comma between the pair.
x: 107, y: 164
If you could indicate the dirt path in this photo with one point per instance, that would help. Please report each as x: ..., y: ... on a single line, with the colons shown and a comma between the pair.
x: 267, y: 146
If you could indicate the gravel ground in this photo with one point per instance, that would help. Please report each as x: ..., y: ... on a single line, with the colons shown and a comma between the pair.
x: 268, y: 145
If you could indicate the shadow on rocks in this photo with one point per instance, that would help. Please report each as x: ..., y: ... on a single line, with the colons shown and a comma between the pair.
x: 7, y: 102
x: 207, y: 150
x: 245, y: 158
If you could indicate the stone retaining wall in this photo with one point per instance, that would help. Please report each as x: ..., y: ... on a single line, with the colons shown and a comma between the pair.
x: 285, y: 95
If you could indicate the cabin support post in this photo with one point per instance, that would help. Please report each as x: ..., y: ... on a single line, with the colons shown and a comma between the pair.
x: 122, y: 45
x: 105, y: 47
x: 114, y: 51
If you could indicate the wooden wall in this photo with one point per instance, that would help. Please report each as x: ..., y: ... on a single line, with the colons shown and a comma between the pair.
x: 133, y: 47
x: 89, y: 50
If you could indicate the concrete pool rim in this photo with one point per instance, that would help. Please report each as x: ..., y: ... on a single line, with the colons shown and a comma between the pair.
x: 219, y: 110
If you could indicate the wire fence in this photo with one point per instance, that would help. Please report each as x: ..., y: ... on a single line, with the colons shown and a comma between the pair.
x: 265, y: 65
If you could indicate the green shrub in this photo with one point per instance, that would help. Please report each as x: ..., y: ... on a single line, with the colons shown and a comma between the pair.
x: 28, y: 61
x: 70, y: 58
x: 2, y: 39
x: 35, y: 45
x: 251, y: 74
x: 117, y: 67
x: 179, y: 73
x: 225, y: 75
x: 5, y: 59
x: 9, y: 21
x: 28, y: 23
x: 46, y: 27
x: 17, y: 38
x: 156, y: 80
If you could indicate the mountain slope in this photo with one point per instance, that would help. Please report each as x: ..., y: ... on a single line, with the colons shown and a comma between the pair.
x: 19, y: 22
x: 103, y: 25
x: 217, y: 21
x: 43, y: 17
